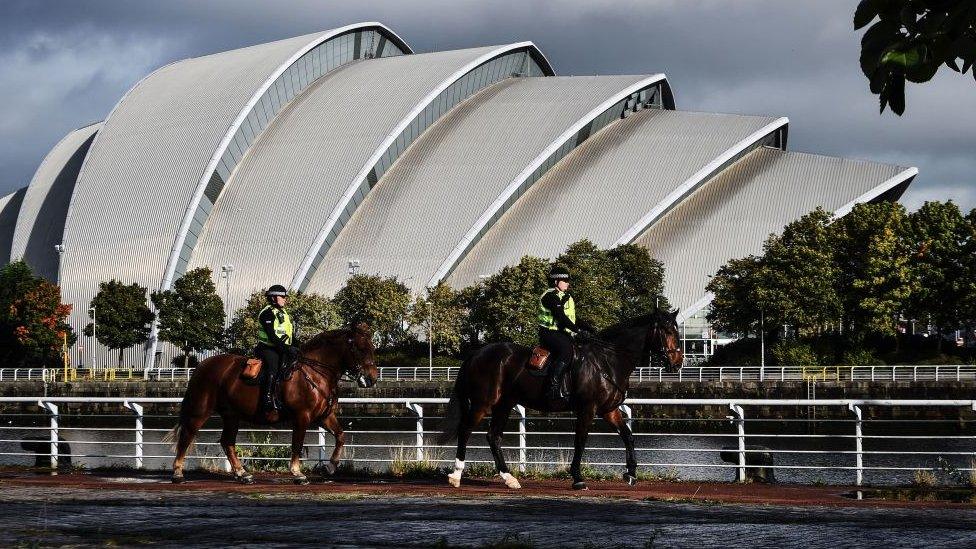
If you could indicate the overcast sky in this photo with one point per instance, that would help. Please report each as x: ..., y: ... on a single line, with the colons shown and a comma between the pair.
x: 66, y: 63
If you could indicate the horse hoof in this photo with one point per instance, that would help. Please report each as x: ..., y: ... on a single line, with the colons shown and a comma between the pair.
x: 580, y: 486
x: 301, y: 481
x: 454, y: 481
x: 178, y: 479
x: 511, y: 481
x: 329, y: 468
x: 631, y: 479
x: 246, y: 478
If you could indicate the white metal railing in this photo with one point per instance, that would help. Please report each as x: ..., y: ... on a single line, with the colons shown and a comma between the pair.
x: 951, y: 372
x: 421, y: 448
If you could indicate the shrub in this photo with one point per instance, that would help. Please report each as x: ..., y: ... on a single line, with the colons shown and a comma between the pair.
x: 860, y: 357
x: 794, y: 353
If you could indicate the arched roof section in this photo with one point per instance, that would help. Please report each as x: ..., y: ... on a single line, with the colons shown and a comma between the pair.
x: 40, y: 226
x: 9, y: 209
x: 328, y: 148
x: 521, y: 59
x: 142, y: 178
x: 454, y: 172
x: 758, y: 195
x: 603, y: 187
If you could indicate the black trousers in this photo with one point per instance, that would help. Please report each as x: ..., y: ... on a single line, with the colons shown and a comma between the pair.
x: 558, y: 343
x: 272, y: 360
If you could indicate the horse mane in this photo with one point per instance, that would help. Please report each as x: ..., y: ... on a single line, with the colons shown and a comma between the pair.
x: 638, y: 321
x: 325, y: 337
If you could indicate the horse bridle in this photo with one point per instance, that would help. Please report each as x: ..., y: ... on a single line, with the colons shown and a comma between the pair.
x: 356, y: 376
x: 665, y: 353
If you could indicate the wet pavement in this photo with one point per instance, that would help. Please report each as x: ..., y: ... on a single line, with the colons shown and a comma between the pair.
x: 83, y: 510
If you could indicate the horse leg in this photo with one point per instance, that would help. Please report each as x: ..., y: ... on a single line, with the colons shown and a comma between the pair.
x: 228, y: 441
x: 496, y: 430
x: 297, y: 445
x: 185, y: 432
x: 583, y: 420
x: 468, y: 423
x: 332, y: 425
x: 617, y: 420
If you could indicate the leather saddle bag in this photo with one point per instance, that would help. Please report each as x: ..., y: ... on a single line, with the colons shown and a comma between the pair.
x: 252, y: 369
x: 538, y: 359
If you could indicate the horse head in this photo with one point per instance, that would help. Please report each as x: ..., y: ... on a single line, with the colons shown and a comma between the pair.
x: 360, y: 355
x: 663, y: 336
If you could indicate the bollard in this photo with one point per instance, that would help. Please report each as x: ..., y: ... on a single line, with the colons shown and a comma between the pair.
x: 53, y: 410
x: 419, y: 411
x: 858, y: 444
x: 137, y: 410
x: 522, y: 437
x: 740, y: 422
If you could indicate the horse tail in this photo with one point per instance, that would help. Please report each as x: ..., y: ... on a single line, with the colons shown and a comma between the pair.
x: 457, y: 408
x: 172, y: 437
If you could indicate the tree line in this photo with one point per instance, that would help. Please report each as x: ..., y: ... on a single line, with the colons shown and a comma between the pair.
x: 852, y: 290
x: 608, y: 285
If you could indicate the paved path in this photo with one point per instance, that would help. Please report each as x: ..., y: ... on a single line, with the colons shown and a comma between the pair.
x: 49, y: 515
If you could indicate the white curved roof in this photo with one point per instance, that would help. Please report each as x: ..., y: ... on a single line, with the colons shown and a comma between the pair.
x: 303, y: 167
x: 733, y: 214
x: 9, y: 208
x: 421, y: 208
x: 605, y: 186
x: 40, y: 225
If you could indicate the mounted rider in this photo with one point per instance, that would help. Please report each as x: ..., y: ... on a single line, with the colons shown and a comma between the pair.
x: 557, y: 328
x: 275, y: 345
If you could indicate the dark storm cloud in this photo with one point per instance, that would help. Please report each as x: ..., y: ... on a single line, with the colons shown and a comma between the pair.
x: 63, y: 64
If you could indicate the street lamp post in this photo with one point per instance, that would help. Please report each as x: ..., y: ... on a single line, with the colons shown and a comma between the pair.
x: 762, y: 343
x: 225, y: 271
x: 60, y: 250
x: 430, y: 336
x: 94, y: 335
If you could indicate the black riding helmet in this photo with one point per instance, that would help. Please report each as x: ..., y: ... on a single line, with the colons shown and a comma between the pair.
x: 274, y: 291
x: 557, y: 273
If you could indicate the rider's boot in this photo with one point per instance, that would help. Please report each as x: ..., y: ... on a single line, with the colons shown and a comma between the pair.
x: 556, y: 392
x: 268, y: 403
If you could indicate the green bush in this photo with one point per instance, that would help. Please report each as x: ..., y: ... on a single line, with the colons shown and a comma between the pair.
x: 794, y: 353
x: 742, y: 352
x: 860, y: 357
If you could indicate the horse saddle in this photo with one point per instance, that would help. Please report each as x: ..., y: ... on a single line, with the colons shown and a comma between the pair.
x: 538, y: 359
x: 252, y: 369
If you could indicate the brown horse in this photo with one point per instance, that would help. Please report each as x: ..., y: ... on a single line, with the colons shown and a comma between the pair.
x: 308, y: 396
x: 495, y: 379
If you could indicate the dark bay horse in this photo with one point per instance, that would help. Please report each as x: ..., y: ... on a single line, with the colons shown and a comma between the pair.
x: 308, y: 395
x: 495, y: 379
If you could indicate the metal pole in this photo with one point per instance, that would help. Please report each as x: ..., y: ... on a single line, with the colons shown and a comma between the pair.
x: 523, y: 445
x: 430, y: 336
x: 740, y: 422
x: 53, y: 410
x: 419, y: 411
x: 762, y: 342
x: 858, y: 442
x: 94, y: 335
x: 137, y: 410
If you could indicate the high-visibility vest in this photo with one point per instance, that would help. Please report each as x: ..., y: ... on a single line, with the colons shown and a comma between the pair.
x: 546, y: 319
x: 282, y: 326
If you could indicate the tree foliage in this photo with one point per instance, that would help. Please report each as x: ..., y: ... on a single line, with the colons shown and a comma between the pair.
x: 121, y: 317
x: 443, y: 313
x: 191, y: 315
x: 638, y: 280
x: 33, y: 323
x: 383, y: 302
x: 910, y: 40
x: 593, y: 284
x: 506, y: 304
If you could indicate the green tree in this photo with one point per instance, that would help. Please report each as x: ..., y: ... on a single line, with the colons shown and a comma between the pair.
x: 967, y: 308
x: 505, y: 307
x: 799, y: 273
x: 381, y: 302
x: 442, y: 313
x: 937, y: 236
x: 911, y: 40
x: 874, y: 280
x: 33, y: 325
x: 191, y: 315
x: 638, y: 280
x: 123, y: 318
x: 737, y: 288
x: 311, y: 314
x: 594, y: 279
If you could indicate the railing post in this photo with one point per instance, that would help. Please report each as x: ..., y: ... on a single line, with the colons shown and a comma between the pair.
x: 523, y: 443
x: 872, y: 373
x: 957, y: 372
x: 858, y: 441
x: 915, y: 373
x: 137, y: 410
x: 740, y: 421
x: 53, y: 410
x: 418, y: 410
x: 937, y: 373
x: 321, y: 432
